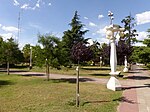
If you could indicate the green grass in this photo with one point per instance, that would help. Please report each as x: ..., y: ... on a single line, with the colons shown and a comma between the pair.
x: 31, y: 94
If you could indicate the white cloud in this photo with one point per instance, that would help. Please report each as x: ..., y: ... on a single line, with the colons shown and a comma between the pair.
x: 92, y: 24
x: 38, y: 3
x: 49, y: 4
x: 10, y: 29
x: 139, y: 44
x: 16, y: 3
x: 86, y: 18
x: 143, y: 18
x: 100, y: 16
x: 7, y: 35
x: 142, y: 35
x: 35, y: 26
x: 0, y: 25
x: 102, y: 31
x: 85, y: 28
x: 90, y: 41
x: 25, y: 6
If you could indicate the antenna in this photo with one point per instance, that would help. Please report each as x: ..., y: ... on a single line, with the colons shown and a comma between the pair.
x: 19, y: 25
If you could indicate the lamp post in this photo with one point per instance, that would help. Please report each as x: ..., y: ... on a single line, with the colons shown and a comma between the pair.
x: 47, y: 69
x: 112, y: 30
x: 30, y: 66
x: 100, y: 61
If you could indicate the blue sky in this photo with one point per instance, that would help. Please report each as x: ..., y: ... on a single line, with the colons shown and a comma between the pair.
x: 53, y: 16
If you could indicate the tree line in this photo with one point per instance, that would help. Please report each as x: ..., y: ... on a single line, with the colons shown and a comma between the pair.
x: 74, y: 48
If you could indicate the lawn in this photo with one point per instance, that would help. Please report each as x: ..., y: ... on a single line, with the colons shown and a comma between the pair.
x: 32, y: 94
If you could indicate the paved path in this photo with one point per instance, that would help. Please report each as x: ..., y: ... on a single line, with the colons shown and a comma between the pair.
x: 63, y: 77
x: 136, y: 96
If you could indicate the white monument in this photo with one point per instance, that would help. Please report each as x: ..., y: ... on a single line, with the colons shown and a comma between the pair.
x: 112, y: 30
x: 126, y: 65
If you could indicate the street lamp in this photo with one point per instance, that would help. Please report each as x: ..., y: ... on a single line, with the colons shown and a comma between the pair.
x: 30, y: 66
x: 100, y: 61
x: 112, y: 30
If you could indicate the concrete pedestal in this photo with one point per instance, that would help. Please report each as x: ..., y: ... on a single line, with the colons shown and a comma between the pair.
x: 113, y: 84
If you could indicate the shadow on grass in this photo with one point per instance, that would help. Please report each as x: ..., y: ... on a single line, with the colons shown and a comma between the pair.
x: 5, y: 82
x: 99, y: 74
x: 121, y: 99
x: 137, y: 77
x: 11, y: 71
x: 134, y: 72
x: 71, y: 80
x: 30, y: 75
x: 88, y: 102
x: 92, y: 68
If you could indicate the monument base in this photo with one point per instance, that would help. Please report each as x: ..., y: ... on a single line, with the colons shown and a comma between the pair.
x: 115, y: 73
x: 113, y: 84
x: 125, y: 69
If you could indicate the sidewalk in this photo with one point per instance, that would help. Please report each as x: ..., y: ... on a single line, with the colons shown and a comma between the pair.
x: 136, y: 96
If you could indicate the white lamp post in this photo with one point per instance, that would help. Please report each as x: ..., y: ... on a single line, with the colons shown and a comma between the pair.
x: 100, y: 61
x: 113, y: 82
x: 30, y: 66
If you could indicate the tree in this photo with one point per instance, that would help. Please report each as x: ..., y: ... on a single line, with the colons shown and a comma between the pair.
x: 1, y: 50
x: 105, y: 53
x: 147, y: 41
x: 81, y: 52
x: 130, y: 33
x: 72, y: 37
x: 12, y: 54
x: 26, y: 52
x: 122, y: 51
x: 49, y: 43
x: 96, y: 50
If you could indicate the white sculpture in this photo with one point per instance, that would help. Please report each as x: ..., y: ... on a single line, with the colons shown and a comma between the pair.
x: 113, y: 83
x: 126, y: 65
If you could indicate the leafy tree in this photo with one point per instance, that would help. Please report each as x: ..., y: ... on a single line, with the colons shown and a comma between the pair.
x: 81, y: 52
x: 12, y: 54
x: 122, y: 50
x: 1, y: 50
x: 26, y: 52
x: 96, y: 50
x: 147, y: 41
x: 144, y: 55
x: 71, y: 37
x: 38, y: 57
x: 130, y: 33
x: 105, y: 53
x: 49, y: 43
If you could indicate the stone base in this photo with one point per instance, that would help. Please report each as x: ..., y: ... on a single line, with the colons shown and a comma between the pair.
x: 125, y: 69
x: 115, y: 73
x: 113, y: 84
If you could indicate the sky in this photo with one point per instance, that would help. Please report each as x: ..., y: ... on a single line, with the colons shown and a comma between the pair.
x: 33, y: 17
